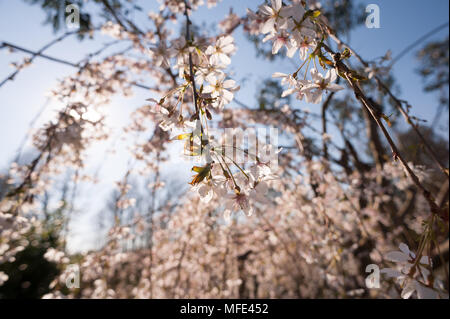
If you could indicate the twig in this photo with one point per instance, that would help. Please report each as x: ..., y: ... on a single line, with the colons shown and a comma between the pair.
x: 65, y: 62
x: 191, y: 66
x: 113, y: 13
x: 417, y: 42
x: 45, y: 47
x: 325, y: 106
x: 34, y: 55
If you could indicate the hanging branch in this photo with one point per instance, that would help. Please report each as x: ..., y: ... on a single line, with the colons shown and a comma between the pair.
x: 399, y: 105
x: 342, y: 69
x: 114, y: 14
x: 191, y: 66
x: 325, y: 106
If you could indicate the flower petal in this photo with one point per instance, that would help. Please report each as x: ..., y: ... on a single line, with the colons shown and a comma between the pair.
x: 409, y: 289
x: 404, y: 248
x: 397, y: 256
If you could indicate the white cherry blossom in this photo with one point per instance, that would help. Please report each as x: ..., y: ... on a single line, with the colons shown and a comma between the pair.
x: 221, y: 51
x: 319, y: 84
x: 220, y: 89
x: 274, y: 16
x: 281, y: 39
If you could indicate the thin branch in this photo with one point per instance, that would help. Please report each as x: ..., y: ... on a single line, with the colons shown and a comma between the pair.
x: 417, y: 42
x: 114, y: 14
x: 45, y: 47
x: 34, y: 55
x: 325, y: 106
x: 37, y: 53
x: 65, y: 62
x: 191, y: 66
x: 168, y: 69
x: 399, y: 105
x: 342, y: 69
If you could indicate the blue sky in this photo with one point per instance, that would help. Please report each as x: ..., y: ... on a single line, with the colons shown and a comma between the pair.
x: 402, y: 22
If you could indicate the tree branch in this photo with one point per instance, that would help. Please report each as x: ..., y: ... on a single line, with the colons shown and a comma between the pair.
x: 343, y: 70
x: 191, y: 66
x: 65, y: 62
x: 398, y: 103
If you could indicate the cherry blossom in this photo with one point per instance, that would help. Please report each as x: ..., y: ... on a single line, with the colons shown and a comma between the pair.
x: 313, y: 91
x: 274, y: 16
x: 220, y: 89
x: 237, y: 202
x: 220, y: 52
x: 288, y: 79
x: 281, y: 39
x: 410, y: 283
